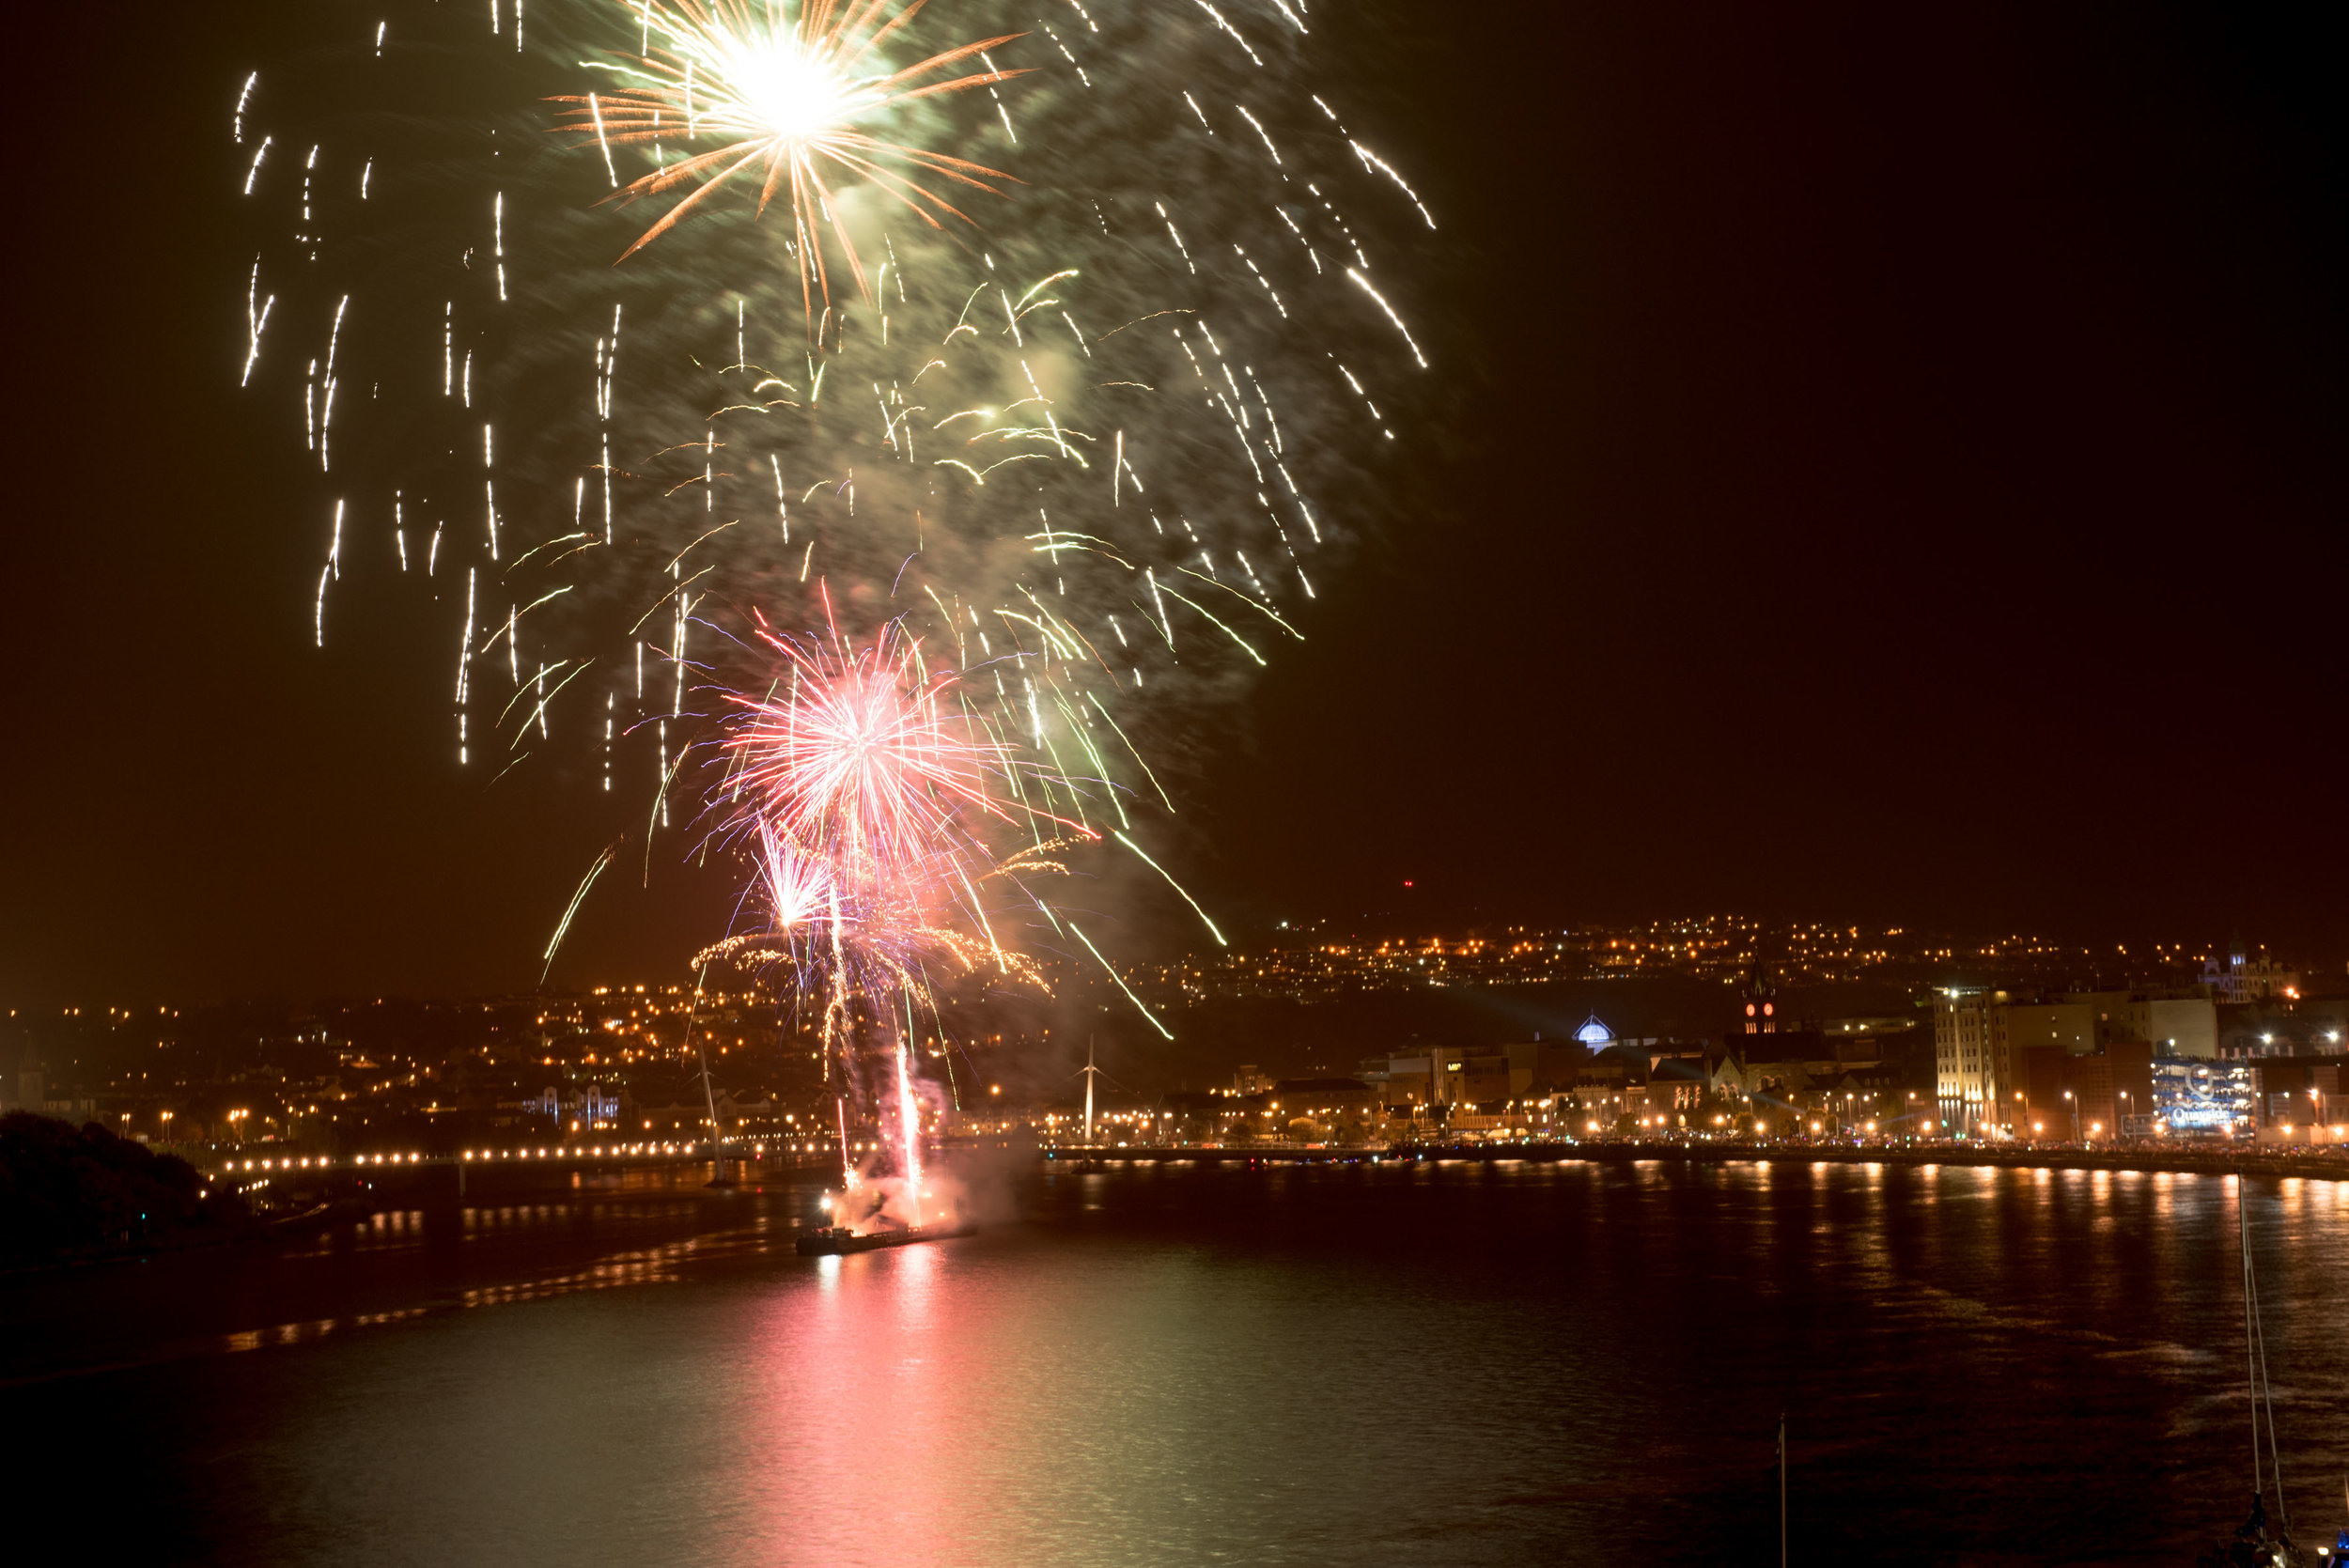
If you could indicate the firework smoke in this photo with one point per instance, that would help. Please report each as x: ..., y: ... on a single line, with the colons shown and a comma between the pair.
x: 884, y: 591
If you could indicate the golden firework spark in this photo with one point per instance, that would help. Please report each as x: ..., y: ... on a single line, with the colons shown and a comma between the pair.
x: 786, y: 89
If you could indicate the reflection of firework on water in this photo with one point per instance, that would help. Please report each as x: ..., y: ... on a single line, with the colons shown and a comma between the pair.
x: 1044, y: 488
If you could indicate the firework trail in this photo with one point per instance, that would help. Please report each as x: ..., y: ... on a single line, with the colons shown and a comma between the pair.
x: 890, y: 592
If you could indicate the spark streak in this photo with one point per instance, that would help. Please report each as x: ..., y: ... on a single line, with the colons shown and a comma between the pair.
x: 570, y: 911
x: 961, y: 709
x: 1363, y: 284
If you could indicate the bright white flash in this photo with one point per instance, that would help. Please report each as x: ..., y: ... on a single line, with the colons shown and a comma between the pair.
x: 792, y: 95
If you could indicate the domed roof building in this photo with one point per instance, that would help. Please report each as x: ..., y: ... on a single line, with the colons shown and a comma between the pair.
x: 1595, y: 1034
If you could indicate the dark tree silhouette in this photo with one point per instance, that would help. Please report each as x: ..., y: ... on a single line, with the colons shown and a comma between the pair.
x: 66, y: 1191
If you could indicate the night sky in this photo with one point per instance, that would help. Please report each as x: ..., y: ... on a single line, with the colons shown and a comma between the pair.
x: 1888, y: 467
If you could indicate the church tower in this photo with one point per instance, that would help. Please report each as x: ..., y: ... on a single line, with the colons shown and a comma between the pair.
x: 1759, y: 993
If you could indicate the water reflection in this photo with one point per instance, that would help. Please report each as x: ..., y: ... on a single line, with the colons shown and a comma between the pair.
x: 1439, y: 1365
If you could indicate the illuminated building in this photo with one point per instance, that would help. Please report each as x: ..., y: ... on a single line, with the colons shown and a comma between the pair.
x: 588, y: 1106
x: 2084, y: 1096
x: 1325, y: 1106
x: 2240, y: 978
x: 1973, y: 1060
x: 2294, y: 1094
x: 1408, y: 1083
x: 1981, y: 1037
x: 2193, y: 1097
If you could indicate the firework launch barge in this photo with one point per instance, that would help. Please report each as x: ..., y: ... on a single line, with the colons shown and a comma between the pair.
x: 834, y: 1239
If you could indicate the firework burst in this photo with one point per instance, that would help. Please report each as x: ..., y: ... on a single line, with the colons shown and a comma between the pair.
x: 867, y: 800
x: 863, y: 752
x: 787, y: 90
x: 900, y: 596
x: 867, y: 794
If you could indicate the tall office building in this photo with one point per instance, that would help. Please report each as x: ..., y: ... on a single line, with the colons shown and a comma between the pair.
x: 1973, y: 1060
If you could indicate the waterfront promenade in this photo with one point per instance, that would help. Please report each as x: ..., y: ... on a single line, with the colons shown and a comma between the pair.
x: 2331, y: 1165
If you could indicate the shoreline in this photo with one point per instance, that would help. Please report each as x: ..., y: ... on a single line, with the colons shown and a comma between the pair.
x: 2181, y: 1161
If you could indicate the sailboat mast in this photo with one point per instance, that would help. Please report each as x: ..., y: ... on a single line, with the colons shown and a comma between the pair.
x: 2251, y: 1363
x: 2265, y: 1392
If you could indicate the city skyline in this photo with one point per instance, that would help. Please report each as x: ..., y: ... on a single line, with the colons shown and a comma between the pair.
x: 1332, y: 956
x: 443, y: 1075
x: 1148, y: 782
x: 1702, y: 965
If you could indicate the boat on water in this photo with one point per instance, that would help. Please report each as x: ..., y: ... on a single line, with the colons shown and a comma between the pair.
x: 2259, y: 1543
x: 832, y: 1239
x: 2336, y: 1555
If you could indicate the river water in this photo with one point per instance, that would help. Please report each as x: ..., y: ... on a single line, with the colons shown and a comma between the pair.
x: 1439, y: 1364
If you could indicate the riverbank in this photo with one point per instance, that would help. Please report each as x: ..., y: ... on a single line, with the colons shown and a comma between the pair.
x: 1307, y: 1365
x: 2179, y: 1158
x: 72, y: 1194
